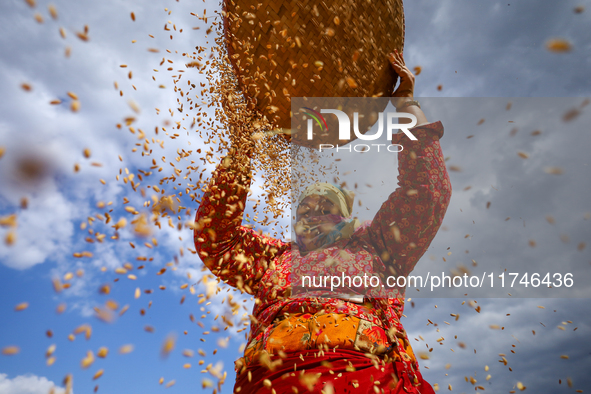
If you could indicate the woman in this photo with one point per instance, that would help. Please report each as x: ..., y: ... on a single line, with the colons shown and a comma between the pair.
x: 321, y: 344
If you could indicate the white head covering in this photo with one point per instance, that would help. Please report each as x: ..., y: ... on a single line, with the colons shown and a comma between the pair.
x: 338, y: 196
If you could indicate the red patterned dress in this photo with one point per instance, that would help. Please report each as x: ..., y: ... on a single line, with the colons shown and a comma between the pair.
x: 357, y: 348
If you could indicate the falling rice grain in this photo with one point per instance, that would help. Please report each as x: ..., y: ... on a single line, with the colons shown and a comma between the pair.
x: 52, y: 11
x: 88, y: 360
x: 82, y: 36
x: 10, y: 238
x: 102, y: 352
x: 571, y: 115
x: 558, y: 45
x: 168, y: 345
x: 8, y: 221
x: 125, y: 349
x: 554, y: 170
x: 10, y: 350
x: 205, y: 383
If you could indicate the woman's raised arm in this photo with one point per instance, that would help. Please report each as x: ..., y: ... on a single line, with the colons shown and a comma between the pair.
x: 236, y: 254
x: 407, y: 222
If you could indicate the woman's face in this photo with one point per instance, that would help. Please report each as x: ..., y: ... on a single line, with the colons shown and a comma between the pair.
x: 316, y: 205
x: 310, y: 224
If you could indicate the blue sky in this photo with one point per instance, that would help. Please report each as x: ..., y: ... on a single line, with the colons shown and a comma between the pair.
x: 472, y: 49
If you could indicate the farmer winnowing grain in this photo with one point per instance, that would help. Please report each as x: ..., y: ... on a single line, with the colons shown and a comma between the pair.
x: 329, y: 338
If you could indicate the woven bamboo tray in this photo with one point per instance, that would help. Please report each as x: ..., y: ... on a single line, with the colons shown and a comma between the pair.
x: 305, y: 48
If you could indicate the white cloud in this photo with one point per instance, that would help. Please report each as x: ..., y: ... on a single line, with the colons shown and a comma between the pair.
x: 44, y: 231
x: 27, y: 384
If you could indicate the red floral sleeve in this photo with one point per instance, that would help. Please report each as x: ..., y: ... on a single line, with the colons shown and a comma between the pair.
x: 236, y: 254
x: 407, y: 222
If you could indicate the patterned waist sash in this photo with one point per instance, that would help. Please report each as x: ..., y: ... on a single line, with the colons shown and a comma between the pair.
x: 324, y: 331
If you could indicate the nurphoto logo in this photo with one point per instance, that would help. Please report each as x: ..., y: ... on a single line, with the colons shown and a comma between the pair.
x: 344, y: 132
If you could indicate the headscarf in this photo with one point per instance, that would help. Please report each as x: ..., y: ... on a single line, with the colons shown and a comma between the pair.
x: 340, y: 197
x: 331, y: 228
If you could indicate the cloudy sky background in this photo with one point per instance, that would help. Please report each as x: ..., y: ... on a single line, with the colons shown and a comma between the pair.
x: 484, y: 49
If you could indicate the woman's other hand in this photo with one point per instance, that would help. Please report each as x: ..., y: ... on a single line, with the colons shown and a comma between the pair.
x: 406, y: 87
x: 405, y: 91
